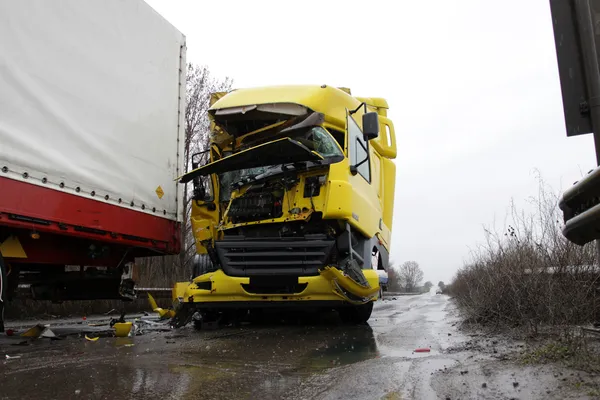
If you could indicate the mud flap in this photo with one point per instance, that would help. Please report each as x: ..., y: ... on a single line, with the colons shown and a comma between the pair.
x: 183, y: 315
x: 127, y: 286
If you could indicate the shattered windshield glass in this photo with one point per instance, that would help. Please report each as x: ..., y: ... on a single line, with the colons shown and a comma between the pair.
x: 315, y: 138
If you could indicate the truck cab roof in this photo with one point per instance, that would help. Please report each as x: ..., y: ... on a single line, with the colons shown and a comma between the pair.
x: 330, y: 101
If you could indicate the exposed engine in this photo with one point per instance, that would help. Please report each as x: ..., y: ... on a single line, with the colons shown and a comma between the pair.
x: 254, y: 207
x: 259, y: 202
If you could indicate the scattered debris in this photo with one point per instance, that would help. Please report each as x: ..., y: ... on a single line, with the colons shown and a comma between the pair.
x: 422, y: 350
x: 464, y: 372
x: 78, y: 391
x: 162, y: 312
x: 47, y: 333
x: 34, y: 332
x: 484, y: 385
x: 38, y: 331
x: 21, y: 343
x: 515, y: 384
x: 120, y: 320
x: 93, y: 339
x: 12, y: 357
x: 110, y: 312
x: 9, y: 332
x: 123, y: 329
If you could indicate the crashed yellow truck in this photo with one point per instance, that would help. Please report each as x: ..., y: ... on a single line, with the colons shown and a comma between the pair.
x: 292, y: 205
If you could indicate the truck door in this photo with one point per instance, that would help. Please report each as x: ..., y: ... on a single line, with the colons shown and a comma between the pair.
x: 366, y: 207
x: 205, y: 202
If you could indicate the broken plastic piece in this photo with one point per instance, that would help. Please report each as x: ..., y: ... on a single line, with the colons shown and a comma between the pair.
x: 422, y: 350
x: 163, y: 313
x: 122, y: 329
x: 34, y: 332
x: 47, y: 333
x: 12, y: 357
x: 91, y: 339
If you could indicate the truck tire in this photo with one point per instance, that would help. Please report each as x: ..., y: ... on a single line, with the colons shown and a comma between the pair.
x: 3, y: 291
x: 201, y: 265
x: 356, y: 315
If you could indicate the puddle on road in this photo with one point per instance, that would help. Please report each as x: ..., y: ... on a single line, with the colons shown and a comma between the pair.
x: 352, y: 346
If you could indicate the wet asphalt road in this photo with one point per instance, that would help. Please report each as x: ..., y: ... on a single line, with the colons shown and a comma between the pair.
x: 322, y: 360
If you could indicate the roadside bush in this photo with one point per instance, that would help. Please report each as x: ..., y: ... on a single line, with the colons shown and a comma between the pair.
x: 530, y: 275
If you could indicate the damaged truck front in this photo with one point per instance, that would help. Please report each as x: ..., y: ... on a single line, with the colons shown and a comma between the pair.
x: 292, y: 204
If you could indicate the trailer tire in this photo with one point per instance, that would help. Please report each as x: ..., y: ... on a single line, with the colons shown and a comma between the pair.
x: 201, y: 265
x: 356, y: 315
x: 3, y: 291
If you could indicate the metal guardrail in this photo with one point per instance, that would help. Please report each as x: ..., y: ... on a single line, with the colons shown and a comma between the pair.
x: 24, y: 291
x: 159, y: 293
x: 581, y: 209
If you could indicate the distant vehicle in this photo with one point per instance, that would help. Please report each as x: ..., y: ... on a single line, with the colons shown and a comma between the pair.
x: 438, y: 291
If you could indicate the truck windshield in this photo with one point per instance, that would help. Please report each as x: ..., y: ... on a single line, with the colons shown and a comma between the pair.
x: 315, y: 138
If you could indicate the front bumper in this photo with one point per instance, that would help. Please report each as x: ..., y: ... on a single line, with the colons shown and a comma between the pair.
x: 331, y: 286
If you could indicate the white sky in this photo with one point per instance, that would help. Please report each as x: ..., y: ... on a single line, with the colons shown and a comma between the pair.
x: 472, y: 86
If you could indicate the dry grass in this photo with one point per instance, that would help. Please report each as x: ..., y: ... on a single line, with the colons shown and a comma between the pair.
x: 530, y: 276
x: 531, y: 281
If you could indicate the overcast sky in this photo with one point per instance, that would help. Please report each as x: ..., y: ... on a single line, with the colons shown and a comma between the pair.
x: 472, y: 86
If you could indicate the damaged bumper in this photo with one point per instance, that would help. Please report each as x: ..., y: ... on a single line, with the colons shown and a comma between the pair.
x: 331, y: 286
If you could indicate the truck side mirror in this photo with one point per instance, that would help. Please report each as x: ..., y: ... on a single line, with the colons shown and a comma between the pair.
x: 370, y: 122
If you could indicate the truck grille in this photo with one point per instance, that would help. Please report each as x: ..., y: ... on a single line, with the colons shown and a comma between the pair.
x: 274, y: 256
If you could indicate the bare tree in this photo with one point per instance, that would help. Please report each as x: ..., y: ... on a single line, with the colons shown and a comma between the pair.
x: 200, y: 84
x: 411, y: 275
x: 394, y: 283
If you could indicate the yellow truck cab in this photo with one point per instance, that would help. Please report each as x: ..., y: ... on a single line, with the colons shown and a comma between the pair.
x: 293, y: 204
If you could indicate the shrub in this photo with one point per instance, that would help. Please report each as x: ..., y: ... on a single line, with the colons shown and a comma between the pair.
x: 530, y: 275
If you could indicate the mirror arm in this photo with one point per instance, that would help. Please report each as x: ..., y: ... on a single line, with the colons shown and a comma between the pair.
x: 363, y: 104
x: 354, y: 168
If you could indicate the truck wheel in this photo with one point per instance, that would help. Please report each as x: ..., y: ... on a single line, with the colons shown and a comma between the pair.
x: 201, y: 265
x: 3, y: 291
x: 356, y: 315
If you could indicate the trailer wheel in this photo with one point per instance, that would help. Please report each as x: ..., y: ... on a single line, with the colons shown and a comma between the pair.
x: 3, y: 291
x: 356, y: 315
x: 201, y: 265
